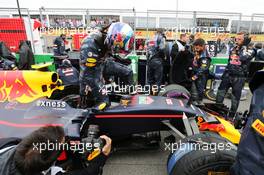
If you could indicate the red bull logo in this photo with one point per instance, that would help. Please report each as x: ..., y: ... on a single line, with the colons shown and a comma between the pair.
x: 13, y: 86
x: 235, y: 59
x: 27, y: 86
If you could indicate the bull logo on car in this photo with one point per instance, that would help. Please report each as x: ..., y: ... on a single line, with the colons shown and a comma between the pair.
x: 27, y: 86
x: 13, y: 86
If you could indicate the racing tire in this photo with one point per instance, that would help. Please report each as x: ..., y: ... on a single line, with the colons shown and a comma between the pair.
x: 187, y: 161
x: 202, y: 134
x: 174, y: 88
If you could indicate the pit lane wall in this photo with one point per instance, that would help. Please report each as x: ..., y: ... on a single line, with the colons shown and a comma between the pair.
x: 44, y: 58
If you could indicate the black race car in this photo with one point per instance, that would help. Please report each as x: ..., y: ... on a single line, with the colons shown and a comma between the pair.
x: 131, y: 115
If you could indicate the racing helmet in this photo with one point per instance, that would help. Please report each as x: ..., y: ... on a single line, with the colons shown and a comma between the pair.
x: 120, y: 38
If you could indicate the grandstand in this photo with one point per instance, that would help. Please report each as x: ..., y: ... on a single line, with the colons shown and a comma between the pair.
x: 144, y: 20
x: 216, y: 25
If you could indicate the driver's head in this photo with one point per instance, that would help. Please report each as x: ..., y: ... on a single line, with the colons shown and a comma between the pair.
x: 29, y: 159
x: 120, y: 39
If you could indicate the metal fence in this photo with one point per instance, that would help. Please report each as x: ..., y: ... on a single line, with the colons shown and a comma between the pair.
x: 256, y: 24
x: 150, y: 19
x: 144, y: 23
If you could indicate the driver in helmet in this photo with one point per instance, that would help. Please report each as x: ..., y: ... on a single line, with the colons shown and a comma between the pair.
x: 93, y: 50
x: 100, y: 52
x: 119, y: 40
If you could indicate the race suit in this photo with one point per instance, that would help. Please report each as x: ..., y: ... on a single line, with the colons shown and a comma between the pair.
x: 91, y: 68
x: 235, y: 76
x: 117, y: 67
x: 200, y: 73
x: 59, y: 47
x: 250, y: 155
x: 69, y: 75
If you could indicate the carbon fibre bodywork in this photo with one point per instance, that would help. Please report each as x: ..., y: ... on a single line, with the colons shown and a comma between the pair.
x: 141, y: 114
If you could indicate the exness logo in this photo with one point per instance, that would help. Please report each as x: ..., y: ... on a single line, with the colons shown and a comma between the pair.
x: 52, y: 104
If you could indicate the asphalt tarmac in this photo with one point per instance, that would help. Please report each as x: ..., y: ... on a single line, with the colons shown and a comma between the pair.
x: 148, y: 162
